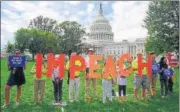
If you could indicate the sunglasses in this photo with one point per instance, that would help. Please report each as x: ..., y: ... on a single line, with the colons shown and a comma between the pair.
x: 17, y: 53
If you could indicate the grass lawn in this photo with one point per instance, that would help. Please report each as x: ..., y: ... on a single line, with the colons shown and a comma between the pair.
x: 155, y: 104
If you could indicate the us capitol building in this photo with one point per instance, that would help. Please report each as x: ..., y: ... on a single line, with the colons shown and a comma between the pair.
x: 101, y: 38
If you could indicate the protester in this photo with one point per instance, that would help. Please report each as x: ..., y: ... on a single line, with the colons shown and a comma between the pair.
x: 163, y: 78
x: 17, y: 78
x: 140, y: 80
x: 39, y: 83
x: 122, y: 82
x: 57, y: 83
x: 89, y: 81
x: 74, y: 84
x: 107, y: 87
x: 155, y: 71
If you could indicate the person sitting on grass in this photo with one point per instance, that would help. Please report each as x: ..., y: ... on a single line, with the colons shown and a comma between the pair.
x: 57, y: 83
x: 39, y: 83
x: 17, y: 78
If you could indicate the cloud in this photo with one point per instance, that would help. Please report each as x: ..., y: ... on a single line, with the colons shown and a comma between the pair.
x: 11, y: 14
x: 105, y: 2
x: 90, y: 8
x: 128, y: 20
x: 73, y: 2
x: 81, y: 13
x: 66, y: 13
x: 126, y: 17
x: 21, y: 6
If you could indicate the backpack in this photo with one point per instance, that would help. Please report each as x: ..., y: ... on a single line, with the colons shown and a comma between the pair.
x: 155, y: 67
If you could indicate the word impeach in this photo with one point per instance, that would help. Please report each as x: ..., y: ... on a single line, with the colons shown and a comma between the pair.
x: 109, y: 69
x: 17, y: 61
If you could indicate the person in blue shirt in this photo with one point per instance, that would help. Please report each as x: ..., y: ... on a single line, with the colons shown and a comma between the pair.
x: 163, y: 78
x: 155, y: 70
x: 16, y: 77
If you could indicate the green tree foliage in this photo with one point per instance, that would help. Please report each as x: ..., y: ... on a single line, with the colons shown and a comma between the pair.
x: 69, y: 34
x: 162, y: 23
x: 10, y: 47
x: 44, y: 34
x: 35, y: 40
x: 71, y: 38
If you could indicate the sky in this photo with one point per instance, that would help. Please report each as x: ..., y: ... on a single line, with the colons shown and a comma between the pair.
x: 125, y: 17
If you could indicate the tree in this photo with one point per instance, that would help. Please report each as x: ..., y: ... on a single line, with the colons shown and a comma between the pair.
x: 68, y: 34
x: 21, y: 39
x: 45, y: 24
x: 35, y: 40
x: 71, y: 38
x: 162, y: 23
x: 10, y: 47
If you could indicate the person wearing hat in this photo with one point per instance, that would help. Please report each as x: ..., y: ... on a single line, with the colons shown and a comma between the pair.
x: 17, y: 78
x: 89, y: 81
x: 155, y: 71
x: 39, y: 83
x: 74, y: 84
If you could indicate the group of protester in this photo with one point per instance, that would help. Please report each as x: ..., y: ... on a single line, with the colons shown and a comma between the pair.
x: 148, y: 84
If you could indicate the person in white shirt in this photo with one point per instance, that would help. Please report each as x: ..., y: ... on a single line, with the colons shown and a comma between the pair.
x: 57, y: 83
x: 89, y: 80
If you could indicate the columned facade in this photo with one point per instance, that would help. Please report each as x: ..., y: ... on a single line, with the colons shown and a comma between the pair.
x: 101, y: 38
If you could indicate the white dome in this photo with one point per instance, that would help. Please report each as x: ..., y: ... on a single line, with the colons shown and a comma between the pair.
x: 101, y: 30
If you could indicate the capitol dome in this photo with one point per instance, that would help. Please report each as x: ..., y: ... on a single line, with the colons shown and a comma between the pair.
x: 100, y: 29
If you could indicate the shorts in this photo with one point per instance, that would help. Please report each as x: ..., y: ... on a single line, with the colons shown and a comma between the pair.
x: 154, y: 76
x: 11, y: 81
x: 141, y: 81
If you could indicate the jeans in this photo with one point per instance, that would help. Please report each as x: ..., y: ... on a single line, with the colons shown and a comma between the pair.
x: 74, y: 88
x: 164, y: 87
x: 122, y: 89
x: 107, y: 89
x: 58, y: 90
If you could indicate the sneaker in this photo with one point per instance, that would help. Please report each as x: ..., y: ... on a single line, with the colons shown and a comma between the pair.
x: 110, y: 100
x: 4, y: 106
x: 162, y: 96
x: 143, y: 99
x: 55, y: 103
x: 71, y: 101
x: 17, y: 103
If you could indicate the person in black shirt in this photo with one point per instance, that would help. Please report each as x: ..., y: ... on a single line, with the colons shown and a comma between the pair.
x: 163, y: 79
x: 17, y: 78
